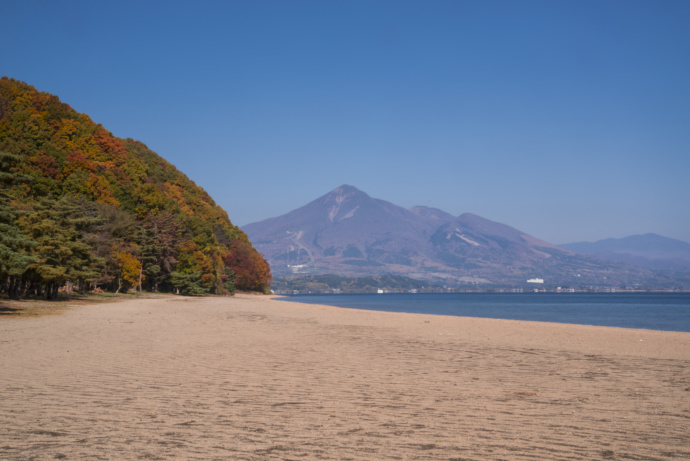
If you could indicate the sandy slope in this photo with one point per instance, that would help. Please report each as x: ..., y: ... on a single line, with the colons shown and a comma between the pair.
x: 254, y: 378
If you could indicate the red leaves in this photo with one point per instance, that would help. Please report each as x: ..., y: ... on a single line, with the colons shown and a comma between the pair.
x: 46, y: 164
x: 77, y: 161
x: 251, y: 269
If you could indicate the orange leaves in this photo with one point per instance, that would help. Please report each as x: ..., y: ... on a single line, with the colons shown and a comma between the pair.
x: 77, y: 161
x: 111, y: 146
x: 99, y: 188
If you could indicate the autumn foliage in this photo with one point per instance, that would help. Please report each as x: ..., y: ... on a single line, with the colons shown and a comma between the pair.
x: 251, y: 270
x: 132, y: 217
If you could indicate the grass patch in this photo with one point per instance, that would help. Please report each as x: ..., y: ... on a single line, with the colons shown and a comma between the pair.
x: 38, y: 307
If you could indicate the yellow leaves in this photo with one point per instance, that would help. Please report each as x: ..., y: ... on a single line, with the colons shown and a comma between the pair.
x: 152, y: 199
x: 72, y: 135
x: 129, y: 266
x: 66, y: 134
x: 135, y: 170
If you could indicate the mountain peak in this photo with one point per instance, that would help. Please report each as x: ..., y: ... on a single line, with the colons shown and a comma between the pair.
x: 347, y: 232
x: 347, y: 189
x: 344, y: 192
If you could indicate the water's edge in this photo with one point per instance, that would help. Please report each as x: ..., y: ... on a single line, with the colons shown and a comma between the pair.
x: 652, y: 311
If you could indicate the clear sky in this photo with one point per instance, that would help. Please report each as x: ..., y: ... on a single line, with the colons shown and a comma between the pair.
x: 567, y: 119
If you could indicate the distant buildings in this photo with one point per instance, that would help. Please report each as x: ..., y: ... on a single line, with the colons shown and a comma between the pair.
x: 536, y: 281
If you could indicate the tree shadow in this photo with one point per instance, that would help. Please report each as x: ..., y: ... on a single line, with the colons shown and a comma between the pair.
x: 6, y: 310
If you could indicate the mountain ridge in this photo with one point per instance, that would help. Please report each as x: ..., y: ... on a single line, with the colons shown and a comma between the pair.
x: 649, y: 250
x: 349, y: 233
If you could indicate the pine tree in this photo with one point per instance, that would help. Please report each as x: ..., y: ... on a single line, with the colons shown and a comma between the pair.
x: 113, y: 233
x: 14, y: 247
x: 188, y: 284
x: 62, y: 253
x: 159, y: 239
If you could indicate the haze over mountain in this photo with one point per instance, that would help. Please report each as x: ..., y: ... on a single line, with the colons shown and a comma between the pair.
x: 347, y: 232
x: 651, y: 251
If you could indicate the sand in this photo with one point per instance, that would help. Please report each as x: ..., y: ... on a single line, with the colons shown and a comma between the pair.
x: 252, y: 378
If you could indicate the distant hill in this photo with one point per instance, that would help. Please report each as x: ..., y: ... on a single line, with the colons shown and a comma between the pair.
x: 83, y: 209
x: 349, y: 233
x: 650, y: 251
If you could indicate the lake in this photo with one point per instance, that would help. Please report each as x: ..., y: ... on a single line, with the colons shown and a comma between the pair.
x: 653, y: 311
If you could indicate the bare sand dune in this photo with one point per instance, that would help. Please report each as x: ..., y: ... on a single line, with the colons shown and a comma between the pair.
x: 250, y: 378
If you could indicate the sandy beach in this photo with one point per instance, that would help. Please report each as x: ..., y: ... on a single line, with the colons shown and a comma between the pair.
x: 253, y: 378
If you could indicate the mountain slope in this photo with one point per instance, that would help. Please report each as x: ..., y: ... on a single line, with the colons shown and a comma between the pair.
x: 171, y: 233
x: 346, y: 232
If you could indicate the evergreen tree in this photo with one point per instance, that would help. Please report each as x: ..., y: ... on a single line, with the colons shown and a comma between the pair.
x: 228, y: 279
x: 62, y: 253
x: 14, y: 247
x: 113, y: 235
x: 188, y: 284
x: 159, y: 239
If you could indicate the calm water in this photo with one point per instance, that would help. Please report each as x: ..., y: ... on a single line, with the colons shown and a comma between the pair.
x: 654, y: 311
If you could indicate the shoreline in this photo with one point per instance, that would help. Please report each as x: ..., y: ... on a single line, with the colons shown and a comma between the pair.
x: 251, y: 378
x: 489, y: 311
x: 583, y: 338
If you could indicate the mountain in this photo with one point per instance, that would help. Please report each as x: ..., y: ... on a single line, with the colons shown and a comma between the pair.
x: 349, y: 233
x: 433, y: 216
x: 343, y: 232
x: 83, y: 209
x: 650, y: 251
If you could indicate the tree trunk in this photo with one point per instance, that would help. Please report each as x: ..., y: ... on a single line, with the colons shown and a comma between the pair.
x: 12, y: 290
x: 25, y: 287
x: 141, y: 273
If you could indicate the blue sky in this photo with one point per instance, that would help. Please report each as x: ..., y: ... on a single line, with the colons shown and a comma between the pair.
x: 569, y: 120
